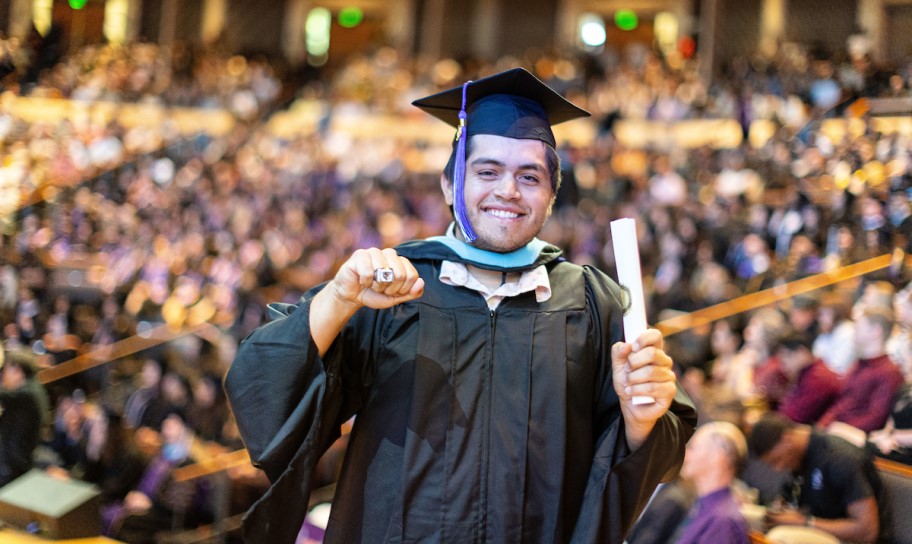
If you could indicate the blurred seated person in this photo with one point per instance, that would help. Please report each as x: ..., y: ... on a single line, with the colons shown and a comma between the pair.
x: 894, y: 441
x: 175, y: 392
x: 802, y: 313
x: 68, y: 441
x: 870, y: 387
x: 813, y: 387
x: 836, y: 489
x: 20, y: 419
x: 763, y: 331
x: 875, y: 294
x: 108, y: 458
x: 666, y: 510
x: 714, y: 400
x: 145, y: 406
x: 711, y: 513
x: 159, y: 502
x: 899, y: 345
x: 835, y: 342
x: 760, y: 336
x: 207, y: 411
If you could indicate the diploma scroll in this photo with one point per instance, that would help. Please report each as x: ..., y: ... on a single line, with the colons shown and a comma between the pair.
x: 627, y: 257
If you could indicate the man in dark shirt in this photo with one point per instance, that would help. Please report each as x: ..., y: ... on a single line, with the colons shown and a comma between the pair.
x: 837, y: 489
x: 813, y: 387
x: 20, y: 420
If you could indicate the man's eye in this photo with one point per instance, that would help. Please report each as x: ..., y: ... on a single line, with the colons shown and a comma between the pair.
x: 530, y: 179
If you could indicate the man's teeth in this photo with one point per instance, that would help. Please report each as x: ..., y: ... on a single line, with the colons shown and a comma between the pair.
x: 503, y: 214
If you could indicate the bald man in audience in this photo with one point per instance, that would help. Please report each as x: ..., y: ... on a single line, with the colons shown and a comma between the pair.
x: 712, y: 461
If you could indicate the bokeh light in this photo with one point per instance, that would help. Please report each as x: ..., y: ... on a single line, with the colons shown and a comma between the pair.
x: 592, y: 30
x: 350, y: 17
x: 626, y: 19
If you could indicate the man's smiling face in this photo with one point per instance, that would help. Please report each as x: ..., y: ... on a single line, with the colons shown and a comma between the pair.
x: 508, y: 193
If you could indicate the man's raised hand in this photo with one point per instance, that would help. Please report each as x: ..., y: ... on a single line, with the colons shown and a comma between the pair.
x: 357, y: 283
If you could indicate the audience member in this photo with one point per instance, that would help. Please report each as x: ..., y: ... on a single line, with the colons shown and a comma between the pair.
x: 872, y: 383
x: 145, y: 407
x: 663, y: 515
x: 715, y: 401
x: 813, y: 387
x: 111, y: 461
x: 702, y: 505
x: 712, y: 462
x: 760, y: 335
x: 159, y: 502
x: 207, y: 412
x: 69, y: 433
x: 894, y: 440
x: 836, y: 489
x: 768, y: 382
x: 835, y: 342
x: 20, y: 419
x: 899, y: 345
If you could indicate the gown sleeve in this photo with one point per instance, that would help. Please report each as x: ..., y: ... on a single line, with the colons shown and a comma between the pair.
x: 620, y: 481
x: 289, y: 404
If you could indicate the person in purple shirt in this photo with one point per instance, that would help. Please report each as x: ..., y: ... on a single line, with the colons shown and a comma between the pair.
x: 869, y: 388
x: 711, y: 462
x: 813, y: 387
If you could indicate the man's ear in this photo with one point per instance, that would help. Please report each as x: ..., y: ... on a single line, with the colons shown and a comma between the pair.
x: 447, y: 187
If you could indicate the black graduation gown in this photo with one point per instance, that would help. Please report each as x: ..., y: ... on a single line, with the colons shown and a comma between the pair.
x: 472, y: 425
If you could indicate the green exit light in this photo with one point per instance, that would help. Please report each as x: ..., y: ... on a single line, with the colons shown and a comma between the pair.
x: 350, y: 17
x: 626, y: 19
x: 78, y: 4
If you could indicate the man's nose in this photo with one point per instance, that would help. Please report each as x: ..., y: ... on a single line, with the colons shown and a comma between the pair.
x: 507, y: 187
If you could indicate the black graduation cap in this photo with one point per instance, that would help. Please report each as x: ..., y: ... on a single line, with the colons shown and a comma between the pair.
x: 514, y: 104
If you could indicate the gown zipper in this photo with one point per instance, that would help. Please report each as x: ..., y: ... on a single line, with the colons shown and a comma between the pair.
x: 489, y: 386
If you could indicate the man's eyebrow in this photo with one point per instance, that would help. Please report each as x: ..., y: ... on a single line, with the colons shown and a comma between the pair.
x: 484, y: 160
x: 481, y: 161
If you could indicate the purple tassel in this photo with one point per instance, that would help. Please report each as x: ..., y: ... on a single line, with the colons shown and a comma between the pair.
x: 462, y: 217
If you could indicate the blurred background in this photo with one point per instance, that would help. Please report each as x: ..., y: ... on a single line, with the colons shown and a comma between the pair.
x: 168, y: 168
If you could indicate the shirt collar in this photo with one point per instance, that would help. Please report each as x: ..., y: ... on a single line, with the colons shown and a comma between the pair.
x: 536, y: 279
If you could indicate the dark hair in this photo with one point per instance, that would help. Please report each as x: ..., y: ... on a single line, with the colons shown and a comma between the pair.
x: 18, y: 359
x: 551, y: 157
x: 793, y: 339
x: 767, y: 432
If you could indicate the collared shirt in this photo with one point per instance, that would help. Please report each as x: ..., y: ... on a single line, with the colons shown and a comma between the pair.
x: 495, y: 286
x: 867, y: 395
x: 485, y: 282
x: 715, y: 518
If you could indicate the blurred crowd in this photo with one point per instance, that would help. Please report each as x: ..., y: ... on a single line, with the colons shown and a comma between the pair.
x: 160, y: 232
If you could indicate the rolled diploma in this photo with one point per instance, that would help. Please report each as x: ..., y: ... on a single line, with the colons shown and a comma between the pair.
x: 627, y: 257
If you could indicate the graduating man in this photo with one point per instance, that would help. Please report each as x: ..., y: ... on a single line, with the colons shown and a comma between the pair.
x: 492, y: 389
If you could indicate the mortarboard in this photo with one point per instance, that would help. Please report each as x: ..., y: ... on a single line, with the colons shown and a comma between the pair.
x: 514, y: 104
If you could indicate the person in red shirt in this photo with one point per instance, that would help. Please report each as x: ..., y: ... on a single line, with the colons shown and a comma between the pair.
x: 813, y: 387
x: 869, y: 388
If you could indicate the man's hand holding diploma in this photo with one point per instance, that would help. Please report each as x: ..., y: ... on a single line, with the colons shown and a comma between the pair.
x: 643, y: 375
